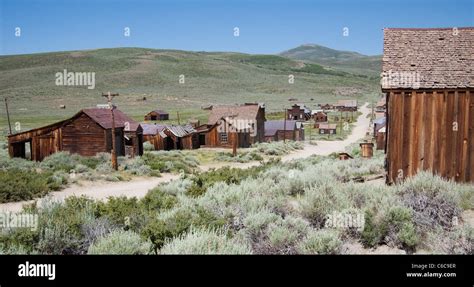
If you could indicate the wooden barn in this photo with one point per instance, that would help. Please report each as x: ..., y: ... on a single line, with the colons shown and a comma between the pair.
x: 171, y: 137
x: 86, y: 133
x: 151, y: 134
x: 326, y: 107
x: 327, y: 129
x: 346, y: 105
x: 157, y: 115
x: 428, y: 81
x: 279, y: 130
x: 298, y: 112
x: 319, y: 117
x: 246, y: 121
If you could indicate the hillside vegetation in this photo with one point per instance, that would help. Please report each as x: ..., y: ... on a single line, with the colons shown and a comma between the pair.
x: 135, y: 73
x: 347, y: 61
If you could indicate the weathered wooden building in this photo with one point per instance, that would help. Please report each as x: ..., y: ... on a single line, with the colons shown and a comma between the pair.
x: 171, y: 137
x: 157, y: 115
x: 428, y: 80
x: 279, y: 130
x: 346, y: 105
x: 319, y: 117
x: 327, y: 129
x: 225, y: 121
x: 151, y: 134
x: 380, y: 132
x: 298, y: 112
x: 326, y: 107
x: 86, y: 133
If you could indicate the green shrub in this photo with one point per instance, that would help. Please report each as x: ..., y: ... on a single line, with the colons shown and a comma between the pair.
x: 59, y: 161
x: 18, y: 185
x: 57, y: 180
x: 320, y: 201
x: 395, y: 228
x: 121, y: 211
x: 433, y: 200
x: 278, y: 147
x: 373, y: 231
x: 159, y: 230
x: 241, y: 157
x: 18, y: 240
x: 61, y: 225
x: 320, y: 242
x: 158, y: 200
x: 284, y: 234
x: 204, y: 242
x: 120, y: 242
x: 136, y: 166
x: 170, y: 161
x: 202, y: 181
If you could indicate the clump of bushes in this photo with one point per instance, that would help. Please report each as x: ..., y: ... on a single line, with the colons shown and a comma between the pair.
x: 205, y: 242
x: 120, y: 242
x: 18, y: 185
x: 170, y: 161
x: 176, y: 222
x: 324, y: 241
x: 395, y: 228
x: 241, y: 157
x: 433, y: 200
x: 278, y: 147
x: 202, y: 181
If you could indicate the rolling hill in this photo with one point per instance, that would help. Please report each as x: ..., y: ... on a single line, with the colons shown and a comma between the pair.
x: 347, y: 61
x: 29, y: 81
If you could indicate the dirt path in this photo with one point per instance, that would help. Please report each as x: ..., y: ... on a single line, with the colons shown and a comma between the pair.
x: 98, y: 190
x: 139, y: 187
x: 328, y: 147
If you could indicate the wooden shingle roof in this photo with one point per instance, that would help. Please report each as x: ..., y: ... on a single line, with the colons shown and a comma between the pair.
x: 104, y: 119
x: 428, y: 58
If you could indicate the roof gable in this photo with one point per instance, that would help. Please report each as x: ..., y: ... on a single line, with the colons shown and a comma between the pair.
x: 103, y: 117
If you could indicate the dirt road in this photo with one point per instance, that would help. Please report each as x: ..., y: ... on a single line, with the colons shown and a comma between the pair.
x: 328, y: 147
x: 139, y: 186
x: 98, y: 190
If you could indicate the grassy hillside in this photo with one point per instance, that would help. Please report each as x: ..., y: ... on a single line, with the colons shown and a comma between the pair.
x: 29, y: 82
x: 347, y: 61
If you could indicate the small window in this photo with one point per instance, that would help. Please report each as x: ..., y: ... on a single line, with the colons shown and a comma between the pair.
x: 223, y: 137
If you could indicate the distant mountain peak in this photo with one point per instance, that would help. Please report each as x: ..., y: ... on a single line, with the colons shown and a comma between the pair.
x: 348, y: 61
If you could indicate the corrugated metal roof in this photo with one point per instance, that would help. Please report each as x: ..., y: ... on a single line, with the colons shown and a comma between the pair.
x: 380, y: 121
x: 271, y: 127
x: 181, y: 131
x: 152, y: 129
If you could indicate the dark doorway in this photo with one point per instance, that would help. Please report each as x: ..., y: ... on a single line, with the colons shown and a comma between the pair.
x: 202, y: 139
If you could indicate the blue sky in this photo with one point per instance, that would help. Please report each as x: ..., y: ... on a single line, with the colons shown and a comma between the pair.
x: 266, y: 27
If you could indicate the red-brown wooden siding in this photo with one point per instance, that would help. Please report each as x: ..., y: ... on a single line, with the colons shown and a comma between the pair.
x: 420, y: 133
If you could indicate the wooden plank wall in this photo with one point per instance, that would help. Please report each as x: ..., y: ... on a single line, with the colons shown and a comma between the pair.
x: 83, y: 136
x: 421, y: 134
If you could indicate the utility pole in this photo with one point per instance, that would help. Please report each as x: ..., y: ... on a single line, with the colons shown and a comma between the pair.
x: 109, y: 97
x: 234, y: 144
x: 8, y: 116
x: 179, y: 123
